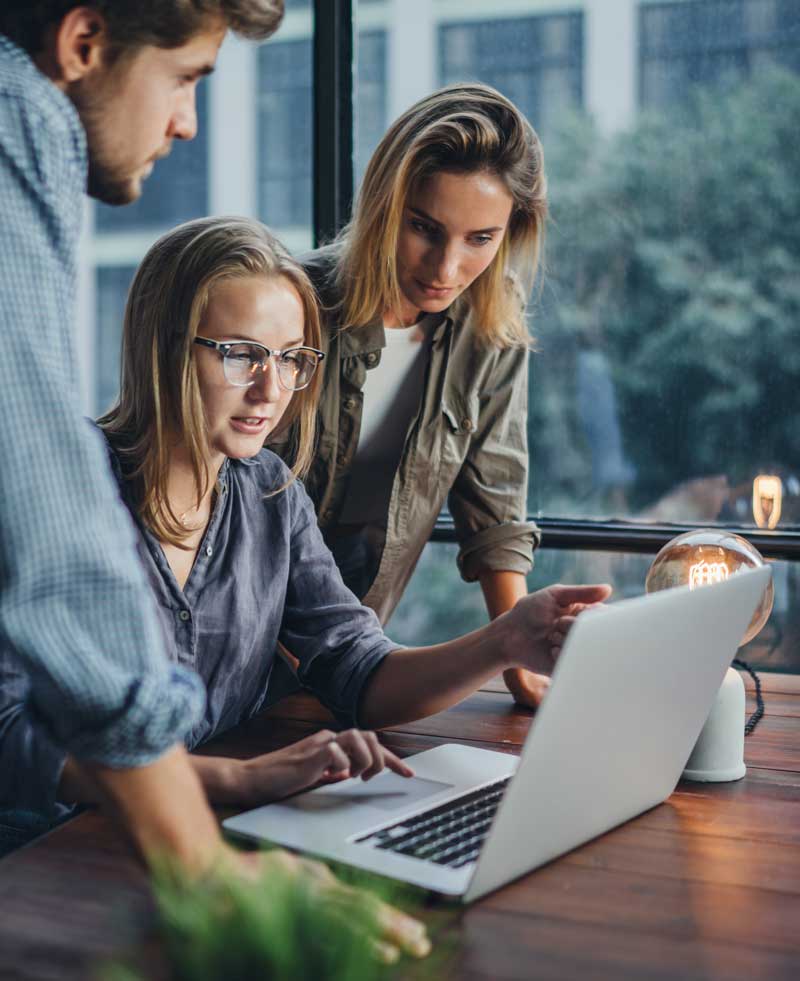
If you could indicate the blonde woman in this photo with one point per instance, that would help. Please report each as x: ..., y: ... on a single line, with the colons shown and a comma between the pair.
x: 424, y: 398
x: 220, y: 349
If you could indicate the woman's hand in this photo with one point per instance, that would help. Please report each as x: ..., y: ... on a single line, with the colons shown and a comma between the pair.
x: 527, y: 688
x: 326, y: 756
x: 540, y: 622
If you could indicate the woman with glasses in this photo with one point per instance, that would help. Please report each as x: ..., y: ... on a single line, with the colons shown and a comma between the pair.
x: 424, y: 401
x: 220, y: 353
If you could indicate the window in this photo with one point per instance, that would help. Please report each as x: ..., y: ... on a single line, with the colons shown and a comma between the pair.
x: 720, y: 42
x: 659, y: 390
x: 660, y: 386
x: 285, y: 153
x: 113, y: 283
x: 437, y: 607
x: 371, y: 118
x: 536, y: 61
x: 665, y: 373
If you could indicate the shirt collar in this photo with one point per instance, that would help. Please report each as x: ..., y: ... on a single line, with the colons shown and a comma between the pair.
x: 14, y: 53
x: 37, y: 83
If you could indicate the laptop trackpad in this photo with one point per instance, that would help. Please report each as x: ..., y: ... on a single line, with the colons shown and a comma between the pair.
x: 388, y: 792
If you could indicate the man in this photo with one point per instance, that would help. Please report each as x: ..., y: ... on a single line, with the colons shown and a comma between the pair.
x: 90, y: 97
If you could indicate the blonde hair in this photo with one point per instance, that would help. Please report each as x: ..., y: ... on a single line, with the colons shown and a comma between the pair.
x: 159, y: 392
x: 464, y: 128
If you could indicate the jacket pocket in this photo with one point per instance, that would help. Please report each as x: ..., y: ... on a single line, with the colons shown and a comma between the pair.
x: 459, y: 422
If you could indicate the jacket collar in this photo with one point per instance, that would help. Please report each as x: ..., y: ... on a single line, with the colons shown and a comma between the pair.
x: 355, y: 341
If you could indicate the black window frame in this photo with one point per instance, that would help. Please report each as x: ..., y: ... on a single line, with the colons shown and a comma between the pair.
x: 333, y: 180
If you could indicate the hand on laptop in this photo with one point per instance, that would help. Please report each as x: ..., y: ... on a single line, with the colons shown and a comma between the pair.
x: 326, y: 756
x: 543, y: 620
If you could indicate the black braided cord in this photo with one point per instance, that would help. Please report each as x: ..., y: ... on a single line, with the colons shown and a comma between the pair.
x: 755, y: 718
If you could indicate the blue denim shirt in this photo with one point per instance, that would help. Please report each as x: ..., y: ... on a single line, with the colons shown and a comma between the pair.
x: 262, y: 574
x: 77, y: 621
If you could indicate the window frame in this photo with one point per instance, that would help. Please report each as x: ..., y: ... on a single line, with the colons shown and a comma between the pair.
x: 334, y: 68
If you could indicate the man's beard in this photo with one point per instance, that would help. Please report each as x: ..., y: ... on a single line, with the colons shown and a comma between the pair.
x: 107, y: 181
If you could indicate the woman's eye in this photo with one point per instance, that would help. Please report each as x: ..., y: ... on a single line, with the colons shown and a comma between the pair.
x: 420, y: 226
x: 242, y: 356
x: 481, y: 239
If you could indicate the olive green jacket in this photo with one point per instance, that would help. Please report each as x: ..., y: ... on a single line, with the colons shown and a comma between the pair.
x: 467, y: 445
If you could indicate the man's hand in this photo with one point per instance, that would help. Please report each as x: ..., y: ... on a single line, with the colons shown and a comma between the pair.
x: 392, y: 932
x: 325, y: 756
x: 542, y: 620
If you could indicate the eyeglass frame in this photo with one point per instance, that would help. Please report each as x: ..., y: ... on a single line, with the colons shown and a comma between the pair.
x: 223, y: 348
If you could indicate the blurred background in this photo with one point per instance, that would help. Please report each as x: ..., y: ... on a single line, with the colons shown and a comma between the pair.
x: 664, y: 383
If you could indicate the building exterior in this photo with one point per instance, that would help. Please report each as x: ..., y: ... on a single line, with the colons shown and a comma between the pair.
x: 253, y: 154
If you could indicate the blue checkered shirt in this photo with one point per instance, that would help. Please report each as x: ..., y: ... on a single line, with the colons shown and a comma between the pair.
x: 76, y: 614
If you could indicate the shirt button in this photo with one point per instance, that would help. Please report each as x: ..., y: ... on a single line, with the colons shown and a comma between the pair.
x: 209, y: 551
x: 372, y: 358
x: 467, y: 425
x: 185, y: 615
x: 349, y: 403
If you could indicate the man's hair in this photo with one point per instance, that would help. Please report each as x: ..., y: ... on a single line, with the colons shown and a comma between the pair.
x: 162, y: 23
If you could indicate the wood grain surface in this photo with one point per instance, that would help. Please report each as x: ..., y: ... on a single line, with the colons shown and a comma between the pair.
x: 706, y: 886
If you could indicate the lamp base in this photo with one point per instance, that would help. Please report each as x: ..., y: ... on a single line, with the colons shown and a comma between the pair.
x: 718, y: 754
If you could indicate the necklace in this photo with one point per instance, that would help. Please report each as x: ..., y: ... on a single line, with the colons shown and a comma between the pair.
x: 192, y: 527
x: 202, y: 514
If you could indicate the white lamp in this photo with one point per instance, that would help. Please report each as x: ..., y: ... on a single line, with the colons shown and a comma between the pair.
x: 697, y: 559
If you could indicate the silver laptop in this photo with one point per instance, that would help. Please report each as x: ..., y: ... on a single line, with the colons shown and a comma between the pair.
x: 630, y: 694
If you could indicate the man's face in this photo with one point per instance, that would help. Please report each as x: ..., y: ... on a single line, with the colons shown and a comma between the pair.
x: 134, y: 109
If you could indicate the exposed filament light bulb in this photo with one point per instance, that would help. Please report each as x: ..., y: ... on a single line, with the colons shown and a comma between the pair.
x: 706, y: 573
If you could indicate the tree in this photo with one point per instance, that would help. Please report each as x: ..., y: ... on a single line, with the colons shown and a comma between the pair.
x: 675, y: 250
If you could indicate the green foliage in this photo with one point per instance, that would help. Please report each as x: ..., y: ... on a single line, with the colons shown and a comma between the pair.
x: 674, y: 249
x: 277, y: 928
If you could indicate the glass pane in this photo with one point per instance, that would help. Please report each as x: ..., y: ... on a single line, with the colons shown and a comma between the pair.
x: 438, y: 606
x: 285, y: 151
x: 664, y: 375
x: 113, y: 283
x: 252, y: 156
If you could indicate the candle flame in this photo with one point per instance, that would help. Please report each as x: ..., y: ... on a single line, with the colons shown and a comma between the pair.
x: 767, y: 499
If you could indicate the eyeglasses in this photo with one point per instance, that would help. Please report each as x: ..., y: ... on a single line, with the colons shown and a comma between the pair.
x: 243, y: 360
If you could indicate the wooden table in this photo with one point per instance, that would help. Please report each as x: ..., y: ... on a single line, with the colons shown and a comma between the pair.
x: 704, y: 886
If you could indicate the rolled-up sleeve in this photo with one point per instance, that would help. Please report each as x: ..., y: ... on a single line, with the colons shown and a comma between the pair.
x: 488, y: 500
x: 75, y: 608
x: 30, y: 762
x: 338, y: 641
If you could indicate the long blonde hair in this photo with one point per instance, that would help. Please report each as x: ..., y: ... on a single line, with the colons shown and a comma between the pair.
x: 159, y: 395
x: 463, y: 128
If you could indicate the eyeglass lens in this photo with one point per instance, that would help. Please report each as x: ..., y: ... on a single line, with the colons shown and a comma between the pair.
x: 243, y: 362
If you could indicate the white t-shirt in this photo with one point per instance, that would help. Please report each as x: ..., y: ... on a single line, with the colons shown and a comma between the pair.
x: 392, y: 393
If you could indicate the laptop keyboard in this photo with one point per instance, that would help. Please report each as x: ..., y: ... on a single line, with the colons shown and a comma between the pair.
x: 451, y: 834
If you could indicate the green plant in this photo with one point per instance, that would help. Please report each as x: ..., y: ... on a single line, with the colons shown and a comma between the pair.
x: 277, y: 928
